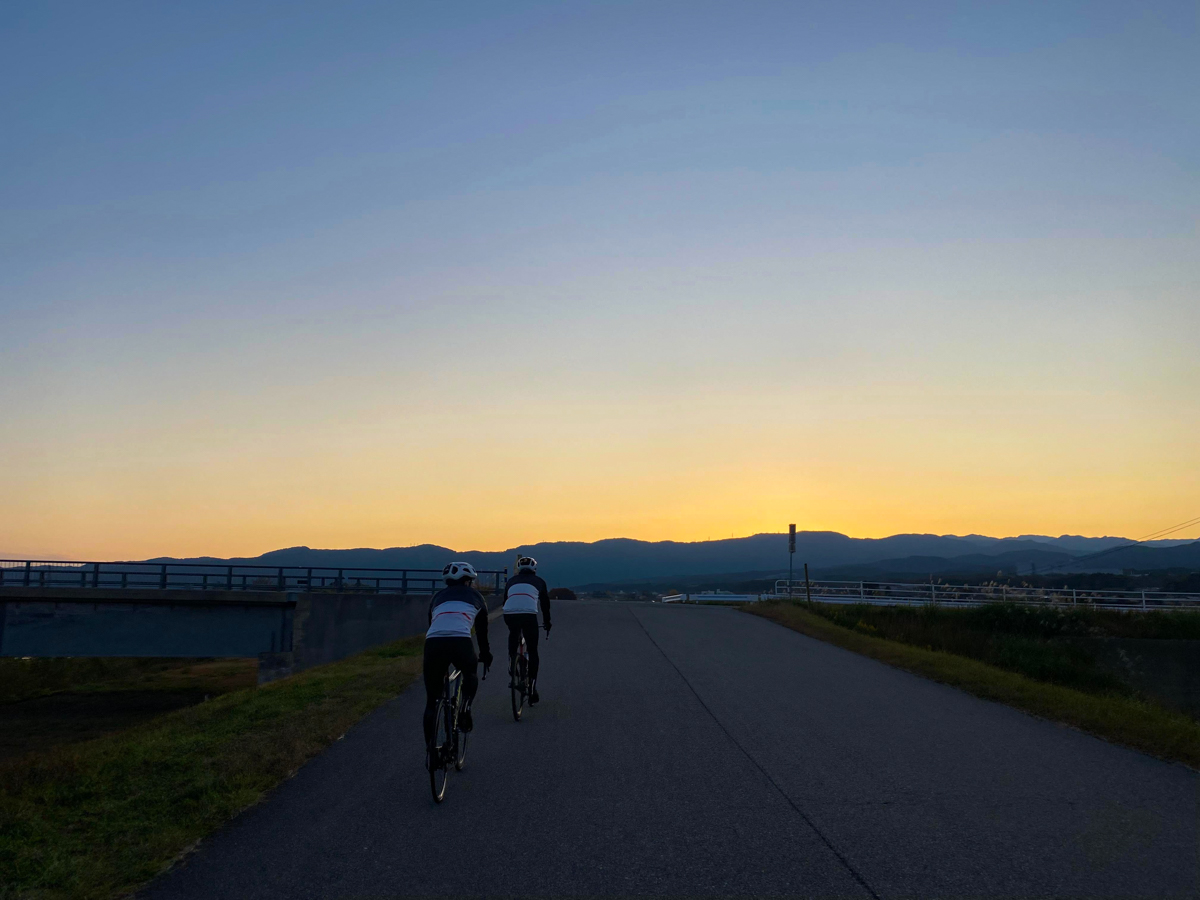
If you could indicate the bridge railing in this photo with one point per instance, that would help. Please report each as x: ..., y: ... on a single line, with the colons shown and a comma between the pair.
x: 229, y: 577
x: 898, y: 594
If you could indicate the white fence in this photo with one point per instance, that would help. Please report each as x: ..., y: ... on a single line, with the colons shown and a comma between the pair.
x: 893, y: 594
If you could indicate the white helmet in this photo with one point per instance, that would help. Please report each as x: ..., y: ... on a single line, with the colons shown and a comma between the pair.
x: 456, y: 571
x: 526, y: 564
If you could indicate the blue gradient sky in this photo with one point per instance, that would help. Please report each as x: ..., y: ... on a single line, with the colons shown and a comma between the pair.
x: 376, y: 274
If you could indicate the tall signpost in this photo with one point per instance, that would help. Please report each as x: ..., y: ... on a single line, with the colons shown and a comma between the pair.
x: 791, y: 556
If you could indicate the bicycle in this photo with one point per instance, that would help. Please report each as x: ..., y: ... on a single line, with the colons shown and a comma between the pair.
x: 520, y: 687
x: 519, y: 683
x: 449, y: 742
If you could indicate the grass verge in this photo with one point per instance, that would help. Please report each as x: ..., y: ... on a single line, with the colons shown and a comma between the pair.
x: 97, y: 819
x: 1127, y: 720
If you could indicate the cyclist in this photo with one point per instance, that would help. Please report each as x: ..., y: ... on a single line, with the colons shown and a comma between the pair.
x: 456, y: 612
x: 523, y: 594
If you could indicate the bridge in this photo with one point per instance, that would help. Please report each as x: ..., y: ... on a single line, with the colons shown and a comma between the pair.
x: 289, y: 617
x: 225, y: 576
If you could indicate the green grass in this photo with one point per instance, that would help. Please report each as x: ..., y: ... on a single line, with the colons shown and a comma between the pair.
x: 97, y: 819
x: 1114, y: 716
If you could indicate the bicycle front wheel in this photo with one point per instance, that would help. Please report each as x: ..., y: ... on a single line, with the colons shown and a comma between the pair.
x: 435, y: 760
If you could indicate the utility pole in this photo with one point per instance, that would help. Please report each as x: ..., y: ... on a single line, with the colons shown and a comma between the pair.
x: 807, y: 591
x: 791, y: 556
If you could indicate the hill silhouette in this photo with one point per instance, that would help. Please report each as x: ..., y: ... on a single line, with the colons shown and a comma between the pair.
x: 572, y: 564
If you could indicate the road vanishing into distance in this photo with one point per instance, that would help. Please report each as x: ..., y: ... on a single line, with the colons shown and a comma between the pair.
x: 685, y: 751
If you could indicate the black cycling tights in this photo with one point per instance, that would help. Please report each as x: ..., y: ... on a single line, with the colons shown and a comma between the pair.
x: 439, y: 653
x: 527, y: 624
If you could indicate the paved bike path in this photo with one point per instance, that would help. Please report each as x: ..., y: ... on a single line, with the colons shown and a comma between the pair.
x: 702, y: 751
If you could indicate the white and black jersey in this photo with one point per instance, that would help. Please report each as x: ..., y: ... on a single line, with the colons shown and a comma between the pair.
x: 525, y: 593
x: 457, y: 611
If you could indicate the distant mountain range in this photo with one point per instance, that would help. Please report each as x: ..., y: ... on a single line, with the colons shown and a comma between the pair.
x: 828, y: 554
x: 1141, y: 558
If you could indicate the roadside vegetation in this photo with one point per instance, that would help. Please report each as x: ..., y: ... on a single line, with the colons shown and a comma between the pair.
x: 97, y: 819
x: 1042, y: 642
x: 1015, y: 655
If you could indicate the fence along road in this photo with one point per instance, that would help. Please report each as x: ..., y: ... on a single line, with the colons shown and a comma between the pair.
x: 685, y: 750
x: 910, y: 594
x: 888, y: 593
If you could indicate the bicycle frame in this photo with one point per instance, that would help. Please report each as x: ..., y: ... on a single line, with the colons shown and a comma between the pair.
x: 519, y: 684
x: 452, y: 694
x: 523, y: 655
x: 452, y: 751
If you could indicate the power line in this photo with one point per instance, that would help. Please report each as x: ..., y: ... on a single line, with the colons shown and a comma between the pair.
x: 1154, y: 535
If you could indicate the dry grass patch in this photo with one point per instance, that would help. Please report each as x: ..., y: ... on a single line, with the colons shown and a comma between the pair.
x: 27, y: 679
x: 1127, y: 720
x: 46, y: 703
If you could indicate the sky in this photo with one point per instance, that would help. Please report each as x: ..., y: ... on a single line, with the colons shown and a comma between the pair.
x: 477, y: 274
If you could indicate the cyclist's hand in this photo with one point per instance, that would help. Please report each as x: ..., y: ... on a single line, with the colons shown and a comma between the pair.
x: 486, y: 658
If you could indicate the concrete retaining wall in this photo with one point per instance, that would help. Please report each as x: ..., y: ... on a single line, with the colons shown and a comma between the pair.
x: 329, y: 627
x: 288, y: 632
x: 99, y: 622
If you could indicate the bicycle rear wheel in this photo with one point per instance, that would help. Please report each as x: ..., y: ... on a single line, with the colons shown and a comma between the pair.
x: 435, y: 761
x: 460, y: 745
x: 517, y: 686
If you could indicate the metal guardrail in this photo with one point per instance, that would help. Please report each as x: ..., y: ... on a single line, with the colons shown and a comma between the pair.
x: 712, y: 597
x: 896, y: 594
x: 225, y: 577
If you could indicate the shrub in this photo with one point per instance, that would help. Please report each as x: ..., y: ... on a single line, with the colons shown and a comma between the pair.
x: 1014, y: 637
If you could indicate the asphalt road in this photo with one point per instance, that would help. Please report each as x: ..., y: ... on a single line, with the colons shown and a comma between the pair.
x: 682, y: 751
